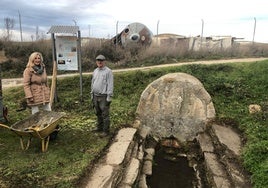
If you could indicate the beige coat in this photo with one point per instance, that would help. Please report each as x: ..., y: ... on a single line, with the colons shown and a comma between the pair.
x: 36, y: 87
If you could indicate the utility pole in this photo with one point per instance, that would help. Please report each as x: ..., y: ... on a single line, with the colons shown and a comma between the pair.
x: 202, y: 33
x: 157, y: 32
x: 37, y: 33
x: 20, y: 26
x: 157, y: 27
x: 89, y: 34
x: 116, y: 27
x: 116, y: 37
x: 88, y: 30
x: 75, y: 24
x: 254, y: 30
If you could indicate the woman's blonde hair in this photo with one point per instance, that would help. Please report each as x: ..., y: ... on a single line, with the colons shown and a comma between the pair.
x: 32, y: 57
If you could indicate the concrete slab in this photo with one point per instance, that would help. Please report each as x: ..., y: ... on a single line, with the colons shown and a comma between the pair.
x: 125, y: 134
x: 132, y: 171
x: 117, y: 153
x: 205, y: 142
x: 101, y: 177
x: 221, y: 182
x: 118, y: 149
x: 228, y: 137
x: 213, y: 165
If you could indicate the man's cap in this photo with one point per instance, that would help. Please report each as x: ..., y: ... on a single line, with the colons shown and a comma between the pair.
x: 100, y: 57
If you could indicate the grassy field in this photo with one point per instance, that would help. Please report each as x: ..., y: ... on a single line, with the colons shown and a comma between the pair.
x: 233, y: 87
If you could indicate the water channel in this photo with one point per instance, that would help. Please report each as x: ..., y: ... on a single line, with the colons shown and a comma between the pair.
x: 176, y: 168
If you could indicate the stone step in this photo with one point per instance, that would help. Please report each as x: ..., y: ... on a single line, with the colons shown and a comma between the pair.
x: 217, y: 175
x: 117, y: 164
x: 221, y: 147
x: 128, y: 163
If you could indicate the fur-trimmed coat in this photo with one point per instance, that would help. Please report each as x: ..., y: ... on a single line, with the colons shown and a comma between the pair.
x: 36, y: 87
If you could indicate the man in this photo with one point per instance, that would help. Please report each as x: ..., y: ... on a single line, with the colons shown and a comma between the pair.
x: 102, y: 85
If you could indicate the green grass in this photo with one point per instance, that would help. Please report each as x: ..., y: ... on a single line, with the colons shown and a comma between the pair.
x: 232, y: 87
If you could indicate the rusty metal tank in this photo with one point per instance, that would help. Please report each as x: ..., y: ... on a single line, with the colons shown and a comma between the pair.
x: 134, y: 35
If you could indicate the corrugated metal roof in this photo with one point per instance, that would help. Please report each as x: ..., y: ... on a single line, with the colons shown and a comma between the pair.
x: 63, y: 29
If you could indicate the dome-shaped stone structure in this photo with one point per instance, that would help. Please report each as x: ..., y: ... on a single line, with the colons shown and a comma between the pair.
x: 176, y: 104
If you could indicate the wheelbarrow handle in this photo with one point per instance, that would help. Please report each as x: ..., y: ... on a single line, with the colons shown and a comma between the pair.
x: 36, y: 131
x: 5, y: 126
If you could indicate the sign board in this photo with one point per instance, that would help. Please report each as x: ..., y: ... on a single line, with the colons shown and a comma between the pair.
x: 66, y: 51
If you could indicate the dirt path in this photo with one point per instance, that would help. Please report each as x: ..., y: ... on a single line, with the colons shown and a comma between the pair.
x: 6, y: 83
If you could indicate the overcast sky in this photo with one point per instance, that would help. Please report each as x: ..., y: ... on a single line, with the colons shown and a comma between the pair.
x: 102, y: 18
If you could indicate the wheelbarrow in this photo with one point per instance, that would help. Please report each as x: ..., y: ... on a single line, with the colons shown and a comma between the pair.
x: 39, y: 125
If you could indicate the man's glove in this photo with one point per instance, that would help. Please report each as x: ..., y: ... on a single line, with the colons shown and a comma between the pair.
x: 109, y: 99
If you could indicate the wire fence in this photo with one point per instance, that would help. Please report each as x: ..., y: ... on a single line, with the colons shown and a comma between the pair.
x: 249, y: 30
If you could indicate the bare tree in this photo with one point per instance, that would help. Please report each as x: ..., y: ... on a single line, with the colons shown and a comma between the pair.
x: 37, y: 33
x: 9, y: 25
x: 43, y: 36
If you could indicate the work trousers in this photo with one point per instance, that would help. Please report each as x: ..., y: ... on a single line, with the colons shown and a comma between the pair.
x: 45, y: 107
x: 102, y: 108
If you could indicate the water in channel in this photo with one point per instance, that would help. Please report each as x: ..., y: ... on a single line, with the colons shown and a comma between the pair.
x: 170, y: 170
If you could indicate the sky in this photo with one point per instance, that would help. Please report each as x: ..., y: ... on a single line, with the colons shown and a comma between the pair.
x: 245, y: 19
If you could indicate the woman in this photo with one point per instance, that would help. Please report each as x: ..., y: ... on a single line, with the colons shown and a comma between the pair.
x: 36, y: 87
